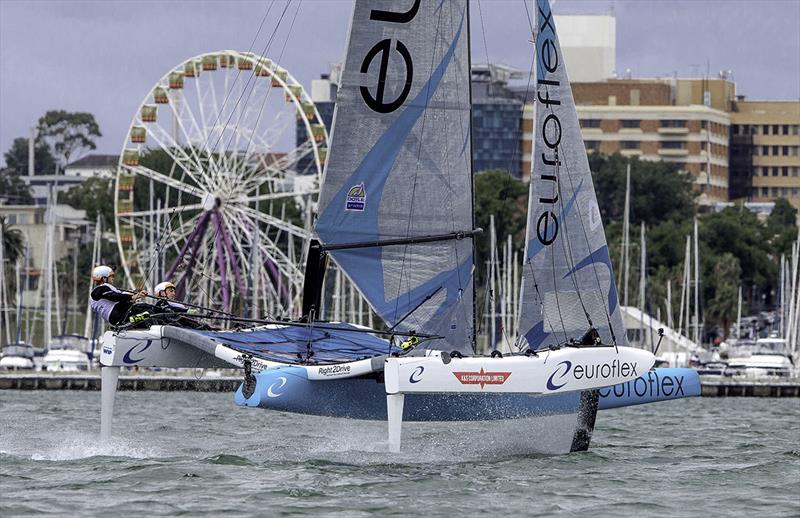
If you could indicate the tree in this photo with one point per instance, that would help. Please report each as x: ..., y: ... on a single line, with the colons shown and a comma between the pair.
x: 783, y: 215
x: 500, y: 194
x: 13, y: 249
x: 659, y: 192
x: 13, y: 189
x: 17, y: 157
x: 69, y: 133
x: 723, y: 305
x: 96, y: 196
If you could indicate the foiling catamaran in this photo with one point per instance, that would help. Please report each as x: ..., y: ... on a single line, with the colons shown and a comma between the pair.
x: 396, y: 215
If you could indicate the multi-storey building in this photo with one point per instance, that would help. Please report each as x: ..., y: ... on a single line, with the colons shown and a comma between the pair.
x: 680, y: 121
x: 765, y: 151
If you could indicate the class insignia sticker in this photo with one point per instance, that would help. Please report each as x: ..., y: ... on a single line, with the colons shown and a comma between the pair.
x: 356, y: 198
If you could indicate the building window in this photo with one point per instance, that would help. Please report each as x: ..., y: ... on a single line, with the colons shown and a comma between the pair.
x: 785, y: 129
x: 795, y: 129
x: 794, y: 150
x: 785, y: 150
x: 592, y: 145
x: 673, y: 123
x: 785, y: 171
x: 775, y: 171
x: 794, y: 192
x: 673, y: 144
x: 630, y: 144
x: 590, y: 123
x: 794, y: 171
x: 764, y: 150
x: 631, y: 123
x: 784, y: 191
x: 765, y: 191
x: 776, y: 129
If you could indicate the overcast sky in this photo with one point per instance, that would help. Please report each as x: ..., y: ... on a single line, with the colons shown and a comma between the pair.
x: 104, y: 56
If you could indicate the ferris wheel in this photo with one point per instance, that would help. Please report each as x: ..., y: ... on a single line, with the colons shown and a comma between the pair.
x: 213, y: 192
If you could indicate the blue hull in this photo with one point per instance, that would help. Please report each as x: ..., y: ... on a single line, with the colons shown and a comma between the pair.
x: 289, y: 390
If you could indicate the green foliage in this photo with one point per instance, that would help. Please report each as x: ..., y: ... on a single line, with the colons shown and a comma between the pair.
x: 69, y: 133
x: 13, y: 189
x: 783, y: 215
x: 95, y: 196
x: 17, y: 157
x: 723, y: 305
x: 13, y: 250
x: 658, y: 192
x: 738, y: 232
x: 500, y: 194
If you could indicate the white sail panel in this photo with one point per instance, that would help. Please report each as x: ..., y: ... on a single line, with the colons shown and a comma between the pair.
x: 568, y: 283
x: 399, y: 165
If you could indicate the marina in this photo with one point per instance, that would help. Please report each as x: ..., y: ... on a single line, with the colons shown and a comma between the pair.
x: 361, y: 265
x: 189, y: 382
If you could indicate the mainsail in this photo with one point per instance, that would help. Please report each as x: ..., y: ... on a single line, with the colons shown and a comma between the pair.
x: 567, y: 283
x: 399, y: 167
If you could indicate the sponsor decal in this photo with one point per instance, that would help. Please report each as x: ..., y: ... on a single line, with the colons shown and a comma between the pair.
x: 550, y: 131
x: 482, y: 377
x: 107, y: 350
x: 356, y: 198
x: 651, y: 385
x: 567, y: 366
x: 137, y: 349
x: 334, y: 370
x: 276, y: 386
x: 581, y: 371
x: 415, y: 376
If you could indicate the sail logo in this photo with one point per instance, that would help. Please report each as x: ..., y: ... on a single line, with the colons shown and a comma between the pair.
x: 550, y: 131
x: 383, y: 48
x: 356, y: 199
x: 595, y: 371
x: 482, y: 377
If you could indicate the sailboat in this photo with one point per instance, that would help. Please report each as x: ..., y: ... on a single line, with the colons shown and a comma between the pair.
x: 396, y: 216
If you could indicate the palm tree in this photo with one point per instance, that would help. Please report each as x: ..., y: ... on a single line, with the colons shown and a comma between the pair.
x: 13, y: 248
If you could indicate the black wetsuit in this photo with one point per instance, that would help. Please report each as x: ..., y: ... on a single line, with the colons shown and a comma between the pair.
x: 123, y: 304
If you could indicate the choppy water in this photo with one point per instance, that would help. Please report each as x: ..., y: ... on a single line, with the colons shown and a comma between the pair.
x: 197, y: 454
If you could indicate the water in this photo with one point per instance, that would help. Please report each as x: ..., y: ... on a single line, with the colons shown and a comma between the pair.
x: 197, y: 454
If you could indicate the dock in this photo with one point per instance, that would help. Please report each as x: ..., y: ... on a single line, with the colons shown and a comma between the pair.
x: 91, y: 381
x: 186, y: 380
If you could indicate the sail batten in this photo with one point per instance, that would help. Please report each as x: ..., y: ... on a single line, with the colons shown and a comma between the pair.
x: 568, y: 281
x: 399, y: 167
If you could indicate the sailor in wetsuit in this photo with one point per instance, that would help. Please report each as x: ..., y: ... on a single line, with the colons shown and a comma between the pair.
x: 113, y: 304
x: 165, y: 292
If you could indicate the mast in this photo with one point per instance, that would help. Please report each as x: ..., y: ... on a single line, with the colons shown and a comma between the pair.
x: 642, y: 281
x: 696, y: 286
x: 471, y: 180
x: 492, y: 283
x: 3, y: 305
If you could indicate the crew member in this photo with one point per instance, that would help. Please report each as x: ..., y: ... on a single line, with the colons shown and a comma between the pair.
x: 113, y: 304
x: 165, y: 292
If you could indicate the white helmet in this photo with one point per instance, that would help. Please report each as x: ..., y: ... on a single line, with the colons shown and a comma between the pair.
x: 162, y: 287
x: 101, y: 272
